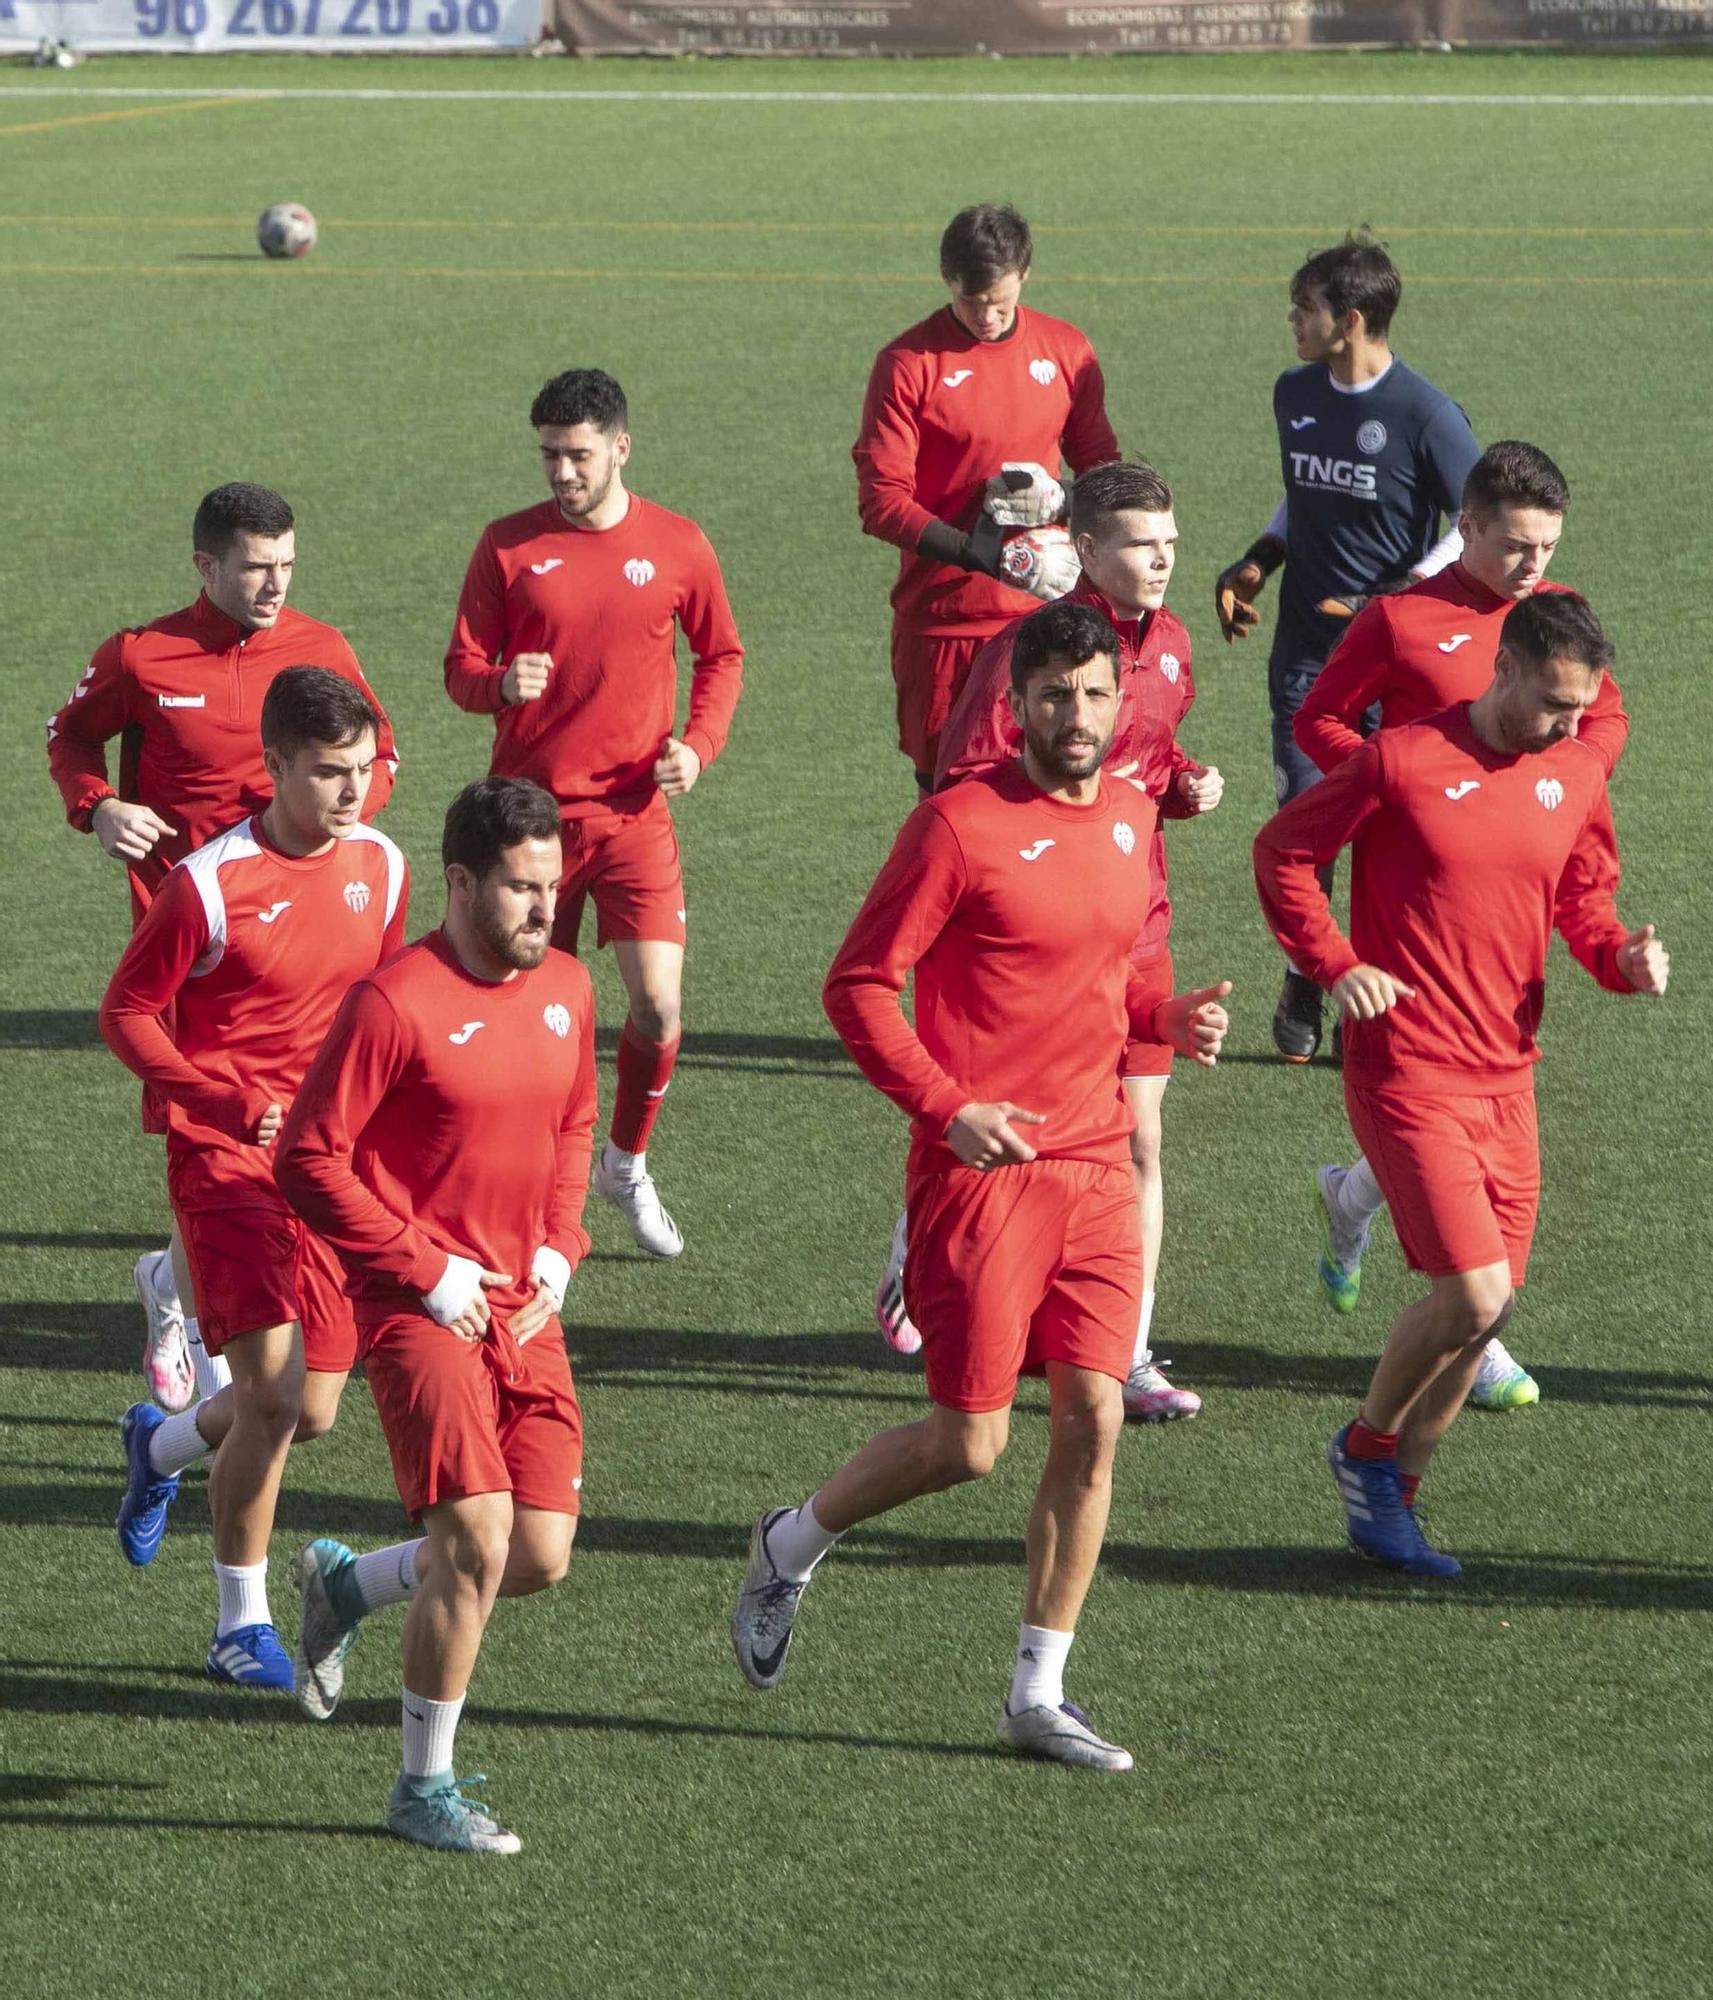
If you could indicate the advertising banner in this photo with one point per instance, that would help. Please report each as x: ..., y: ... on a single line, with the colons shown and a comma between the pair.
x: 347, y: 25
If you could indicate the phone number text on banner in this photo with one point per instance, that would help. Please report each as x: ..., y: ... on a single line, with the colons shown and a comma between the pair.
x: 352, y: 25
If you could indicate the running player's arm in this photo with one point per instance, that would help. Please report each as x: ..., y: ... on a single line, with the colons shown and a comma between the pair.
x: 348, y: 667
x: 716, y: 655
x: 392, y: 938
x: 169, y: 941
x: 1326, y: 727
x: 78, y: 735
x: 1089, y: 438
x: 366, y: 1052
x: 979, y: 732
x: 1302, y: 838
x: 885, y: 454
x: 1585, y: 908
x: 911, y: 900
x: 567, y: 1241
x: 1448, y: 453
x: 1606, y: 727
x: 475, y: 662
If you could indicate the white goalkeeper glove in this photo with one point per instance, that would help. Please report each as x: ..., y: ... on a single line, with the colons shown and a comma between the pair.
x: 1024, y: 496
x: 1044, y: 564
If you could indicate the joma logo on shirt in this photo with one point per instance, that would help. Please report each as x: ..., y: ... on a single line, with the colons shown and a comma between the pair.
x: 1334, y: 475
x: 639, y: 571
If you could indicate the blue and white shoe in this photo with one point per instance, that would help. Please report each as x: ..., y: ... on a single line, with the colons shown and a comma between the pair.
x: 765, y: 1611
x: 442, y: 1817
x: 142, y: 1516
x: 1377, y: 1521
x: 329, y: 1625
x: 249, y: 1656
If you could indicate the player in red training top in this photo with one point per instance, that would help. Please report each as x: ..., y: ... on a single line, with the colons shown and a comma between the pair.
x: 441, y: 1142
x: 1125, y: 535
x: 1409, y: 656
x: 964, y: 424
x: 184, y: 696
x: 1473, y: 836
x: 246, y: 951
x: 565, y: 636
x: 1015, y: 898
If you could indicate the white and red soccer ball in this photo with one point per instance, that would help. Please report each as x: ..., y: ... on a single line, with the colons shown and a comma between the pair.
x: 286, y: 230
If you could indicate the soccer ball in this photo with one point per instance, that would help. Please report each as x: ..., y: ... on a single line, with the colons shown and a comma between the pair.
x: 286, y: 230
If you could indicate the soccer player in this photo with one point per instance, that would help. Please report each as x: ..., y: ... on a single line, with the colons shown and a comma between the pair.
x: 1410, y: 655
x: 1372, y: 456
x: 1015, y: 897
x: 983, y: 384
x: 184, y: 696
x: 1474, y: 834
x: 441, y: 1143
x: 1126, y: 536
x: 565, y: 635
x: 223, y: 995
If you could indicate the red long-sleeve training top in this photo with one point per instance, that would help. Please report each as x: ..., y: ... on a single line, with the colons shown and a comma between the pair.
x: 604, y: 603
x: 1417, y: 652
x: 1463, y: 862
x: 944, y: 411
x: 447, y: 1115
x: 184, y: 696
x: 1016, y: 911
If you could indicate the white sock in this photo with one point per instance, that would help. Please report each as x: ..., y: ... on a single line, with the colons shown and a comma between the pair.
x: 797, y: 1542
x: 1359, y: 1196
x: 1143, y: 1353
x: 243, y: 1596
x: 1038, y: 1677
x: 211, y: 1370
x: 388, y: 1576
x: 176, y: 1442
x: 621, y: 1165
x: 429, y: 1727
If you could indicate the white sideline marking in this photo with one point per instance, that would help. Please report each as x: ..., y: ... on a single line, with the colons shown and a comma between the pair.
x: 1154, y: 100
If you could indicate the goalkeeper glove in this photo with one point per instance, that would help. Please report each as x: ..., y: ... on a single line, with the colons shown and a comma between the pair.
x: 1024, y: 496
x: 940, y: 542
x: 1235, y: 590
x: 1046, y: 566
x: 1347, y: 606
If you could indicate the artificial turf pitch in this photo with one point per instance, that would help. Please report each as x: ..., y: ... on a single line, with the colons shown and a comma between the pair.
x: 1345, y: 1784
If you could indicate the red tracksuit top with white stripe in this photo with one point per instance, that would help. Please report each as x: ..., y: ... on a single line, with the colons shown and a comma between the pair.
x: 1016, y: 911
x: 1421, y: 650
x: 944, y: 411
x: 447, y: 1115
x: 251, y: 952
x: 1463, y: 862
x: 604, y: 602
x: 184, y: 696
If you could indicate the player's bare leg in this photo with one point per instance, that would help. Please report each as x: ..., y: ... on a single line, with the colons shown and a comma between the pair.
x: 1148, y: 1397
x: 653, y: 973
x: 1066, y: 1528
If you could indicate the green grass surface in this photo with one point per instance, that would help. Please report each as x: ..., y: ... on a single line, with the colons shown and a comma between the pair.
x: 1344, y: 1784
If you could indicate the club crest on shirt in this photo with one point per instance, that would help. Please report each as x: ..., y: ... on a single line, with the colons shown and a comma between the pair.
x: 639, y: 570
x: 356, y: 896
x: 1170, y: 666
x: 1124, y: 836
x: 1371, y: 437
x: 558, y: 1018
x: 1550, y: 792
x: 1044, y: 372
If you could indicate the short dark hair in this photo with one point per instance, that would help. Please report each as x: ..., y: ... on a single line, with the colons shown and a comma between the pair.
x: 311, y: 705
x: 983, y: 244
x: 234, y: 510
x: 581, y: 396
x: 1353, y: 276
x: 1116, y: 488
x: 1075, y: 633
x: 1513, y: 474
x: 491, y: 815
x: 1555, y: 625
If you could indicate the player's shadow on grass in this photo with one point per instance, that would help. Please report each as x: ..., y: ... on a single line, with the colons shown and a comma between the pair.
x: 79, y: 1239
x: 58, y: 1334
x: 759, y: 1363
x: 757, y: 1055
x: 49, y: 1028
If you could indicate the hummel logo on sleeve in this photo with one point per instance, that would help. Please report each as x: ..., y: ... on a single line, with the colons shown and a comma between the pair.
x: 1461, y: 791
x: 1301, y: 423
x: 541, y: 568
x: 267, y: 916
x: 1457, y: 639
x: 959, y: 375
x: 1034, y: 853
x: 463, y: 1034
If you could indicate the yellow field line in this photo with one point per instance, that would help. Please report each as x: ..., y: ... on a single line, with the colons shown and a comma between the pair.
x: 534, y: 273
x: 104, y: 117
x: 488, y: 224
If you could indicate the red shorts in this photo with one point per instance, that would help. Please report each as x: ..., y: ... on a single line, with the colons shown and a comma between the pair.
x: 624, y: 858
x: 1148, y: 1057
x: 1461, y: 1175
x: 254, y: 1264
x: 458, y: 1423
x: 928, y: 670
x: 1009, y: 1270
